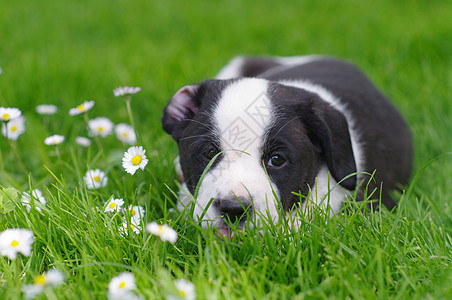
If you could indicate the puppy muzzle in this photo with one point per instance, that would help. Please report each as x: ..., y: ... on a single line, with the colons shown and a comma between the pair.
x: 233, y: 210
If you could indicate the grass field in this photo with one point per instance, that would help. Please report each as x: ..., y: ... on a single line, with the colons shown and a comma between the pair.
x: 66, y: 52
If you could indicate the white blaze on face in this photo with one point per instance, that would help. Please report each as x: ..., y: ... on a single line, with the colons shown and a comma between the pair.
x: 242, y: 117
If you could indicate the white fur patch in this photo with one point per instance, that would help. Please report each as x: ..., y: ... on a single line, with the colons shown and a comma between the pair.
x: 232, y: 69
x: 326, y: 192
x: 290, y: 62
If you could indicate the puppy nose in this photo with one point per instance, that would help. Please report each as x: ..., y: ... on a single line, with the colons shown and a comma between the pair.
x: 233, y: 209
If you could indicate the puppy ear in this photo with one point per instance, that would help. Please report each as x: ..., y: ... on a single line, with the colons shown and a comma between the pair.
x: 182, y: 106
x: 327, y: 129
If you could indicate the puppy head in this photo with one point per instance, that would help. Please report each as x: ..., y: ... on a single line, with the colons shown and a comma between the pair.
x: 268, y: 141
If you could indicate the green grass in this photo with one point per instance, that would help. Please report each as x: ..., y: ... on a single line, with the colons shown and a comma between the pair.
x: 65, y: 52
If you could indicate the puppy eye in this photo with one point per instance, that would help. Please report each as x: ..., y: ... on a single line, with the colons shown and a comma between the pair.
x: 211, y: 152
x: 276, y: 161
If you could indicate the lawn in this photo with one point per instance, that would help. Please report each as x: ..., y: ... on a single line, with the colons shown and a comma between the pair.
x: 67, y: 52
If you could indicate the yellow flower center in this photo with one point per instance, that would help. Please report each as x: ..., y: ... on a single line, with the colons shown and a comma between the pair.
x: 160, y: 229
x: 40, y: 280
x: 124, y: 134
x: 130, y: 228
x: 14, y: 243
x: 136, y: 160
x: 96, y: 178
x: 81, y: 107
x: 132, y: 212
x: 5, y: 116
x: 112, y: 205
x: 122, y: 284
x: 14, y: 128
x: 101, y: 129
x: 182, y: 293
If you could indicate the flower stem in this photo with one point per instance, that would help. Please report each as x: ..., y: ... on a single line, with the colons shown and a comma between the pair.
x: 96, y: 138
x: 129, y: 112
x: 46, y: 122
x: 17, y: 270
x: 5, y: 124
x: 129, y: 109
x: 163, y: 254
x: 152, y: 175
x: 18, y: 159
x: 57, y: 150
x: 99, y: 144
x: 13, y: 147
x: 85, y: 117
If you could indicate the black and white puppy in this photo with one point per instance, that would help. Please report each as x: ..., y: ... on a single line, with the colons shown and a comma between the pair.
x: 308, y: 125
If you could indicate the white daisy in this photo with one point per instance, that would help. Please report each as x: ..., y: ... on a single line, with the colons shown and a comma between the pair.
x: 121, y: 284
x: 95, y: 179
x: 50, y: 278
x: 9, y: 113
x: 82, y: 108
x: 46, y: 109
x: 83, y: 141
x: 136, y: 222
x: 100, y: 126
x: 14, y: 128
x: 136, y: 211
x: 125, y: 91
x: 54, y: 140
x: 125, y: 133
x: 134, y: 159
x: 134, y: 226
x: 165, y: 232
x: 14, y: 241
x: 53, y: 277
x: 186, y: 290
x: 37, y: 197
x: 114, y: 205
